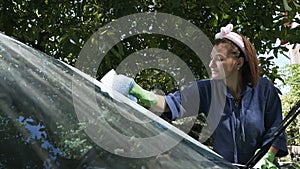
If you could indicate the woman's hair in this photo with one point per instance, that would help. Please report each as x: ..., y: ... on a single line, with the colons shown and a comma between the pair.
x: 250, y: 69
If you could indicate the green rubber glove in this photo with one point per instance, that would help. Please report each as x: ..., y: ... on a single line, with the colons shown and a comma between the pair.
x: 267, y: 161
x: 146, y: 97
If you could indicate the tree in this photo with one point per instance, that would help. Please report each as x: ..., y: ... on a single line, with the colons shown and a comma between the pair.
x: 290, y: 99
x: 61, y: 27
x: 292, y: 82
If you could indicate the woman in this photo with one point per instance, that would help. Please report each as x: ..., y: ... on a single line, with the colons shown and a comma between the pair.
x: 251, y: 108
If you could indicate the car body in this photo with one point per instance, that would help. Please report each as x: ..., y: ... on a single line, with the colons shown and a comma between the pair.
x: 55, y: 116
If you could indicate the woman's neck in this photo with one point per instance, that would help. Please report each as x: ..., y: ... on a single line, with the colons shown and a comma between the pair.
x: 235, y: 86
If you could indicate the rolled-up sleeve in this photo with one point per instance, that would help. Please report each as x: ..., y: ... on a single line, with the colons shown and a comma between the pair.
x: 191, y: 100
x: 174, y: 102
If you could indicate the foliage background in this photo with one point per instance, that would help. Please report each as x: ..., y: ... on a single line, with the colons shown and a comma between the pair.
x: 61, y: 27
x: 292, y: 96
x: 290, y: 99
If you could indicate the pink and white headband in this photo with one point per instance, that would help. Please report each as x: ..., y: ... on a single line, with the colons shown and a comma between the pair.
x: 226, y: 32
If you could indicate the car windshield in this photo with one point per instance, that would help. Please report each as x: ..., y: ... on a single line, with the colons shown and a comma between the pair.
x: 54, y: 116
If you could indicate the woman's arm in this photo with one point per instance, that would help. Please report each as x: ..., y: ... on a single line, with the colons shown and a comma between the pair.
x: 160, y: 106
x: 274, y: 150
x: 273, y: 118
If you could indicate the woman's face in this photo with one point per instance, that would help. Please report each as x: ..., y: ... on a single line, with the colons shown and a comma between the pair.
x: 223, y: 66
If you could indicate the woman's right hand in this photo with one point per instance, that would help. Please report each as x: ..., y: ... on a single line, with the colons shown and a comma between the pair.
x: 128, y: 87
x: 123, y: 85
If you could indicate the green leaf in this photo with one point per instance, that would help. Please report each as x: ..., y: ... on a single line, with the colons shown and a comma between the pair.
x: 286, y: 5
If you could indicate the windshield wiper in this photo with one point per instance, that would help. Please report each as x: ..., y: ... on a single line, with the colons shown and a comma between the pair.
x: 294, y: 112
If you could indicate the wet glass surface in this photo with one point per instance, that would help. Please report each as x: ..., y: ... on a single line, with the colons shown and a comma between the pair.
x: 52, y: 117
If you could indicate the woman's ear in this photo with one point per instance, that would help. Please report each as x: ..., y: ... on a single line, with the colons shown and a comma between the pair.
x: 240, y: 62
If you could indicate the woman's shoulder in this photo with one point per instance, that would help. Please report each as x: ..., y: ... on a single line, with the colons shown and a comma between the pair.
x: 263, y: 81
x: 265, y: 84
x: 203, y: 81
x: 209, y: 82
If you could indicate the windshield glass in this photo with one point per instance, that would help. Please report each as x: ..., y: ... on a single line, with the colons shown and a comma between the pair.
x: 54, y: 116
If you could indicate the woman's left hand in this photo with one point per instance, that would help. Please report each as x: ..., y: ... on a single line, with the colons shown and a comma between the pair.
x: 267, y: 161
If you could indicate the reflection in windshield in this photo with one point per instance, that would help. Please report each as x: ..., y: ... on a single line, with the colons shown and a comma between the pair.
x: 41, y: 128
x: 36, y: 132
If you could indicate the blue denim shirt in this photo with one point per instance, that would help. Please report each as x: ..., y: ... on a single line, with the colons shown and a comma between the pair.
x: 241, y: 127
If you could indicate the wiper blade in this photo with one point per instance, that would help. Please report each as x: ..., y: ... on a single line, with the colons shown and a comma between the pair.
x: 294, y: 112
x: 239, y: 165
